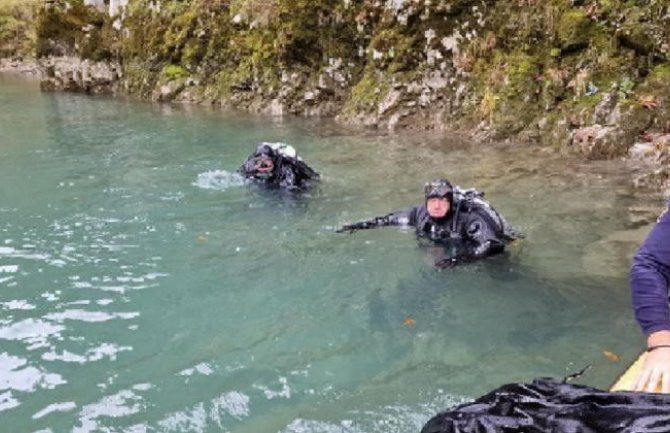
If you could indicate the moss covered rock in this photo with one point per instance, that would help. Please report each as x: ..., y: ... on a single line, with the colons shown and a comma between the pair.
x: 574, y: 30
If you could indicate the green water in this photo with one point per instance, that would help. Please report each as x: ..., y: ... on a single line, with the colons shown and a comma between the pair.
x: 144, y: 288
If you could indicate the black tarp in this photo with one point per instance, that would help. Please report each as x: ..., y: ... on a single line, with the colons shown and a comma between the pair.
x: 549, y: 405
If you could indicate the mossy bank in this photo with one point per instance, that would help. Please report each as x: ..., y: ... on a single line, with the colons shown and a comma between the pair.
x: 592, y: 77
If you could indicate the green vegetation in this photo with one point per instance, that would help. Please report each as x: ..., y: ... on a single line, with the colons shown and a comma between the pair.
x: 74, y: 30
x: 172, y: 72
x: 660, y: 73
x: 574, y: 30
x: 17, y: 28
x: 366, y: 93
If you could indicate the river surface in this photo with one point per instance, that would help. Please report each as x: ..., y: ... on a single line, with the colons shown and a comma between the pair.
x: 145, y: 288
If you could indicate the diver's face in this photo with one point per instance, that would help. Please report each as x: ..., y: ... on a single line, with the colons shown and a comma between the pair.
x: 437, y: 207
x: 263, y: 165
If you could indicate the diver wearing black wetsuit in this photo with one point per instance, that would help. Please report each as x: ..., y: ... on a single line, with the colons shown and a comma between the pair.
x: 452, y: 217
x: 278, y: 165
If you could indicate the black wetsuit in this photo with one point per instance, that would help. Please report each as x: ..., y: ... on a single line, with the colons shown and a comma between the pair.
x: 473, y: 230
x: 288, y: 172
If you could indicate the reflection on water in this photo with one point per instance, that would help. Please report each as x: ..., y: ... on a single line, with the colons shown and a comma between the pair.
x: 144, y: 286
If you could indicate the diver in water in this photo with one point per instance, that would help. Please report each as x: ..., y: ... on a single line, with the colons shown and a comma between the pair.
x: 278, y: 164
x: 459, y: 219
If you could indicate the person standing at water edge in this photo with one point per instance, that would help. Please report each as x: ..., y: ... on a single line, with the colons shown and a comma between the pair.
x: 459, y: 219
x: 649, y: 279
x: 278, y: 165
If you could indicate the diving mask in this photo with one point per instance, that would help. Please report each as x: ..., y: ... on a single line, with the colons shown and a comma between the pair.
x: 263, y: 166
x: 440, y: 188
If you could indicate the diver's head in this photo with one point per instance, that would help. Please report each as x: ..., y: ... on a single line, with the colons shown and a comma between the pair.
x: 263, y: 162
x: 439, y: 196
x: 263, y: 166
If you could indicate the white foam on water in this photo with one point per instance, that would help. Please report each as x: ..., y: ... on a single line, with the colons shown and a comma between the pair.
x: 51, y: 296
x: 31, y: 330
x: 393, y: 418
x: 285, y: 392
x: 194, y: 420
x: 65, y: 357
x: 202, y: 368
x: 118, y: 405
x: 236, y: 404
x: 137, y: 428
x: 55, y: 407
x: 219, y: 180
x: 154, y: 275
x: 199, y: 418
x: 114, y: 247
x: 116, y: 289
x: 9, y: 269
x: 16, y: 375
x: 81, y: 302
x: 130, y: 282
x: 89, y: 316
x: 21, y: 254
x: 177, y: 196
x: 7, y: 401
x: 300, y: 425
x: 142, y: 387
x: 105, y: 350
x: 17, y: 304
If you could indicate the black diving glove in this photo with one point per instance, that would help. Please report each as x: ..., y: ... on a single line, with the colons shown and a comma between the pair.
x: 364, y: 225
x: 348, y: 228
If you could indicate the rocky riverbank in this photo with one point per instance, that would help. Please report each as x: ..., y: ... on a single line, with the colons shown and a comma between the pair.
x: 587, y: 77
x: 20, y: 67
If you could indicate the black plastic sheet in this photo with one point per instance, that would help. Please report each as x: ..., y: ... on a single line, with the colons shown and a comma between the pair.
x: 549, y: 405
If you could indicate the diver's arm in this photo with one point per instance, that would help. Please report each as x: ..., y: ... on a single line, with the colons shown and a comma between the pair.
x: 405, y: 217
x: 295, y: 174
x: 287, y: 177
x: 649, y: 279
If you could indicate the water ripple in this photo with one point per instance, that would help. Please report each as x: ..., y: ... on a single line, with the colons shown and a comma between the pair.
x: 219, y: 180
